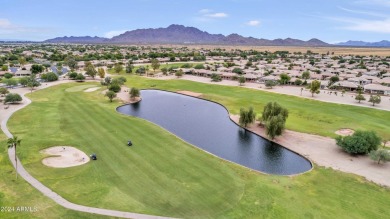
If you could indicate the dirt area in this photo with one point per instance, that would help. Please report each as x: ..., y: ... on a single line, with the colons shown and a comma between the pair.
x: 189, y: 93
x: 64, y: 156
x: 345, y: 132
x: 323, y: 151
x: 92, y: 89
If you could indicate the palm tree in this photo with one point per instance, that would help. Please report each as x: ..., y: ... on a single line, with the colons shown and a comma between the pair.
x: 14, y: 142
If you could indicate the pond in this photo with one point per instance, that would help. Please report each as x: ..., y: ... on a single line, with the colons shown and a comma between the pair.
x: 207, y: 125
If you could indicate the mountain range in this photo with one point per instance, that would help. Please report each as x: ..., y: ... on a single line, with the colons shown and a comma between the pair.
x: 179, y: 34
x: 383, y: 43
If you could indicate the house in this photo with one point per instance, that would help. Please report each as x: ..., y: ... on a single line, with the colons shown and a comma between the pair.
x: 346, y: 85
x: 22, y: 73
x: 377, y: 89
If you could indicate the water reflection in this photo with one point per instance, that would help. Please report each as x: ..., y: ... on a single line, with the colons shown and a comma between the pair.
x: 207, y: 126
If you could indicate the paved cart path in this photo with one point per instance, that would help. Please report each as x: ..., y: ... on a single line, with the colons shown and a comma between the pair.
x: 5, y: 114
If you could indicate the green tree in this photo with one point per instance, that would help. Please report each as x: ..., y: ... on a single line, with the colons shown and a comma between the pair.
x: 179, y: 73
x: 12, y: 98
x: 72, y: 75
x: 90, y: 70
x: 50, y: 76
x: 305, y: 75
x: 129, y: 66
x: 216, y: 77
x: 101, y: 72
x: 333, y: 80
x: 111, y: 95
x: 33, y: 82
x: 375, y: 99
x: 22, y: 61
x: 155, y: 64
x: 359, y: 97
x: 115, y: 87
x: 247, y: 116
x: 274, y: 117
x: 107, y: 80
x: 134, y: 92
x: 314, y: 87
x: 164, y: 70
x: 241, y: 80
x: 284, y: 78
x: 118, y: 68
x: 71, y: 63
x: 270, y: 84
x: 3, y: 91
x: 36, y: 69
x: 237, y: 71
x: 79, y: 77
x: 8, y: 75
x: 380, y: 155
x: 361, y: 142
x: 10, y: 82
x: 14, y: 142
x: 23, y: 81
x: 4, y: 68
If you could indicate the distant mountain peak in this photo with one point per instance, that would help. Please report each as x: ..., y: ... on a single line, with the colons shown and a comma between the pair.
x: 383, y: 43
x: 180, y: 34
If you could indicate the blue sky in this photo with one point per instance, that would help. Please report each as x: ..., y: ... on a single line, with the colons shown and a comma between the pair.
x: 328, y: 20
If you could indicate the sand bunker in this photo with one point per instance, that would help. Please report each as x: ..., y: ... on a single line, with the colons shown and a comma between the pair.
x: 345, y: 132
x: 189, y: 93
x: 92, y: 89
x: 387, y: 144
x: 64, y: 156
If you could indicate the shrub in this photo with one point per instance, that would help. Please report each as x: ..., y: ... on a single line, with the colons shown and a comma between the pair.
x: 51, y: 76
x: 361, y: 142
x: 298, y: 82
x: 114, y: 87
x: 80, y: 77
x: 72, y: 75
x: 216, y: 77
x: 186, y: 65
x: 8, y: 75
x: 380, y: 155
x: 199, y: 66
x: 12, y: 98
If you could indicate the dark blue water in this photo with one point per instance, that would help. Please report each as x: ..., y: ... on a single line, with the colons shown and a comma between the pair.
x: 207, y: 125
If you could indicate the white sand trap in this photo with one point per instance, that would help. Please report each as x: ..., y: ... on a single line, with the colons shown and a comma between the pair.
x: 345, y: 132
x: 189, y: 93
x: 387, y: 144
x: 64, y: 156
x: 92, y: 89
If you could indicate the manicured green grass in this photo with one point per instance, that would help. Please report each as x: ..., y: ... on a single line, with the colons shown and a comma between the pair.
x: 163, y: 175
x: 18, y: 193
x: 168, y: 65
x: 144, y: 178
x: 305, y: 115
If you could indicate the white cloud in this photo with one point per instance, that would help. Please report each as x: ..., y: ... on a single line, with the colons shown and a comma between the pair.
x: 5, y: 23
x: 113, y: 33
x: 370, y: 13
x: 205, y: 11
x: 365, y: 25
x: 217, y: 15
x: 378, y: 26
x: 253, y: 23
x: 8, y: 28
